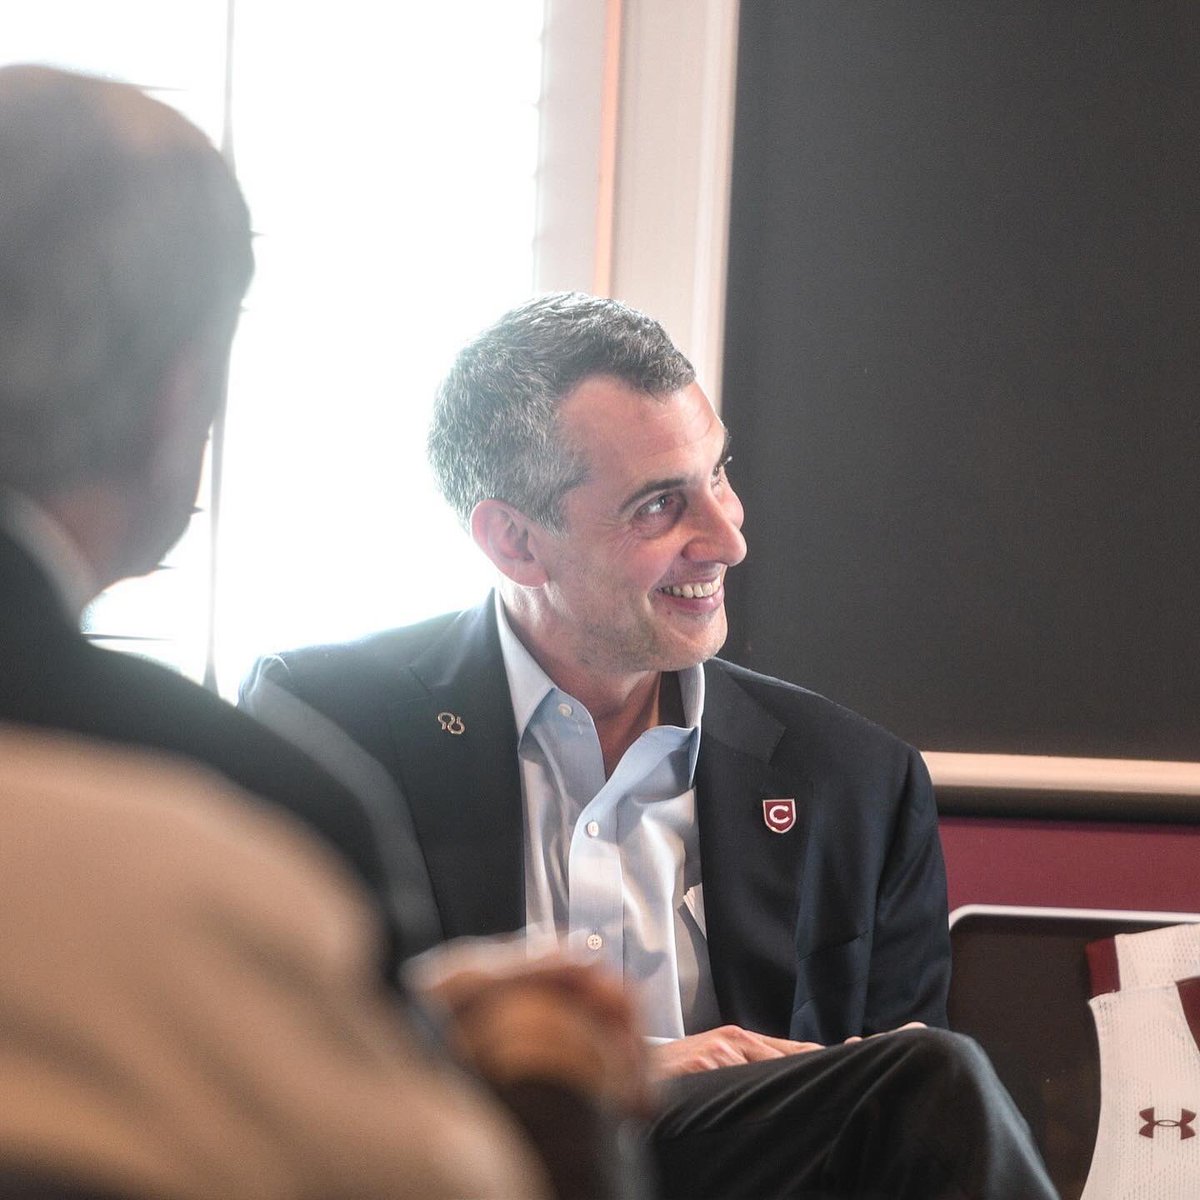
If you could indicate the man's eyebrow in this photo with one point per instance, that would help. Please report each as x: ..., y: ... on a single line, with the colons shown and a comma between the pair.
x: 652, y: 486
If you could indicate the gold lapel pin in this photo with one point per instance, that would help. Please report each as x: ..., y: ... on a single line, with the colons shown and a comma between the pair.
x: 451, y: 723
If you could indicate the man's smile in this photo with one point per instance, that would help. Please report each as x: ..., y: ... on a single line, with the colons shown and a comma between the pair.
x: 697, y: 590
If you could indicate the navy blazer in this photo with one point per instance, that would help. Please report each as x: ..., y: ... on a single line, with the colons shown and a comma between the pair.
x: 833, y: 928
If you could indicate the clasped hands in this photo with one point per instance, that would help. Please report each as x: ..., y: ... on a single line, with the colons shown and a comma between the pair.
x: 731, y: 1046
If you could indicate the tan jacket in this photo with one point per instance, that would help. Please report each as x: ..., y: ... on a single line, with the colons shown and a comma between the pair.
x: 189, y: 1006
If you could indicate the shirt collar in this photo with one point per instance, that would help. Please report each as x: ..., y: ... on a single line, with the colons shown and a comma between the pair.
x: 528, y: 684
x: 53, y: 549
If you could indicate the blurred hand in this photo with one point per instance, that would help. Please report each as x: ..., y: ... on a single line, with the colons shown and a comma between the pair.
x: 727, y: 1046
x: 513, y: 1018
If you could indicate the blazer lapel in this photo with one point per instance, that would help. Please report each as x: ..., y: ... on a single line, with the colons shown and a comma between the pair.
x: 750, y: 872
x: 457, y: 742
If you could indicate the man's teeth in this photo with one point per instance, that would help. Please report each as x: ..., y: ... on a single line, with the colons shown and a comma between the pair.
x: 693, y: 591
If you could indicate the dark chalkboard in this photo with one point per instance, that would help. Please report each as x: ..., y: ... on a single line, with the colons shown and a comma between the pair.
x: 963, y: 367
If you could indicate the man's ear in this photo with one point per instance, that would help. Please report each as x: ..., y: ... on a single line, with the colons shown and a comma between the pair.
x: 163, y: 482
x: 184, y: 407
x: 503, y: 534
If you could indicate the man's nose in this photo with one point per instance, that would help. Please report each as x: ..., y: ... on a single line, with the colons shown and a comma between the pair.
x: 718, y: 530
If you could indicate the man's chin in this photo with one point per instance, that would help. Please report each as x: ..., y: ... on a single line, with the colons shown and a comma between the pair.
x: 691, y: 652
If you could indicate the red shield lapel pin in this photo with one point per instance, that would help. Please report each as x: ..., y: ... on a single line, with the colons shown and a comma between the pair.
x: 779, y: 815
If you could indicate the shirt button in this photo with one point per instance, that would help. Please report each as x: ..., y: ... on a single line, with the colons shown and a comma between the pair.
x: 565, y: 709
x: 593, y: 829
x: 594, y: 941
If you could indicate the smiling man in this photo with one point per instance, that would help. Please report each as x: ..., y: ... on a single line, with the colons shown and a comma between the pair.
x: 761, y: 866
x: 626, y: 587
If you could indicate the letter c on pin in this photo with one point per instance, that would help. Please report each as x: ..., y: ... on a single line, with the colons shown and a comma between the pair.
x: 779, y: 815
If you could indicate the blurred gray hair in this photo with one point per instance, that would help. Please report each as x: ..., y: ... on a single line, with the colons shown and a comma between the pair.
x: 124, y: 243
x: 494, y: 433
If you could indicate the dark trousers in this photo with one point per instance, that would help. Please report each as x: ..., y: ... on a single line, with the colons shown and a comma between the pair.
x: 913, y: 1115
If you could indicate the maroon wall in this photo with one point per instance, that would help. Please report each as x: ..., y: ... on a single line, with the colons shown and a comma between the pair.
x: 1069, y: 864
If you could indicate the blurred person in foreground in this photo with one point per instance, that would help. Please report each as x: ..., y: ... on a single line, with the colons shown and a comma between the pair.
x: 194, y: 992
x: 190, y: 1004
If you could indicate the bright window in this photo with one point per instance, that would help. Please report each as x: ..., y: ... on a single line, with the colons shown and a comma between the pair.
x: 389, y: 156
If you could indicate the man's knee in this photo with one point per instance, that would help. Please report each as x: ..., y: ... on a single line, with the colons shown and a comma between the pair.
x: 941, y: 1049
x: 954, y: 1075
x: 941, y: 1059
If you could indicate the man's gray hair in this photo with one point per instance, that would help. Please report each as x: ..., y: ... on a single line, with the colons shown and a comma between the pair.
x: 495, y: 431
x: 124, y: 245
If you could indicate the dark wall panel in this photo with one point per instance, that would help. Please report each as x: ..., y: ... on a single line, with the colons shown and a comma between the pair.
x: 963, y: 367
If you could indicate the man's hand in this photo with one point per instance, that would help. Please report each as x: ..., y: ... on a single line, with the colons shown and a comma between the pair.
x: 730, y: 1046
x: 513, y: 1019
x: 727, y: 1046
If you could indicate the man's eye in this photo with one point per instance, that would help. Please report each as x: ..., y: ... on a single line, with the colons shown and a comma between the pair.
x: 659, y: 506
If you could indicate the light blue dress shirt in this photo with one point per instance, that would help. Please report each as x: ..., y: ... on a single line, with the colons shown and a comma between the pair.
x: 612, y: 867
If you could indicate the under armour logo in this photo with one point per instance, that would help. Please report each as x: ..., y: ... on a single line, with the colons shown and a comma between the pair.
x: 1184, y: 1124
x: 451, y: 723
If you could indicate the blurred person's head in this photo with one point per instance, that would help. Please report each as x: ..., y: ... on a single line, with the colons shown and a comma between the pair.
x: 124, y: 256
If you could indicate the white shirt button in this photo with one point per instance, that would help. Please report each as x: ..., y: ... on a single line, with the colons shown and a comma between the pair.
x: 594, y: 941
x: 593, y: 829
x: 565, y: 709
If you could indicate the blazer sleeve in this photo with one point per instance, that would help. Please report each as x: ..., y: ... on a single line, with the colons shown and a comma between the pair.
x: 910, y: 958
